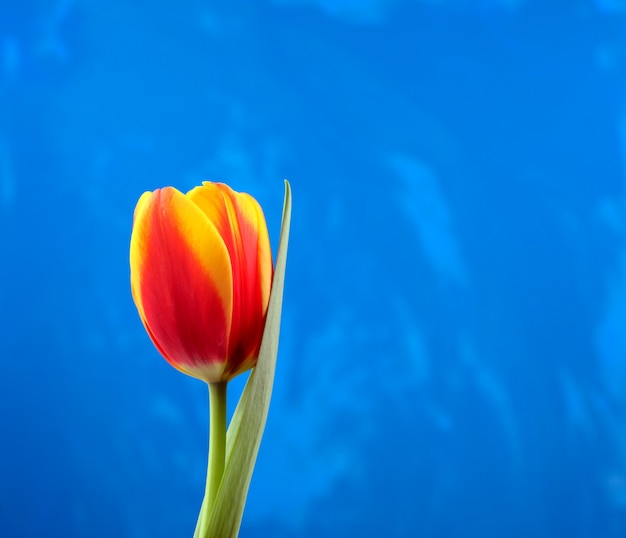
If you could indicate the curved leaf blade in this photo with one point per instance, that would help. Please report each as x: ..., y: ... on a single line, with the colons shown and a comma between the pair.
x: 248, y: 422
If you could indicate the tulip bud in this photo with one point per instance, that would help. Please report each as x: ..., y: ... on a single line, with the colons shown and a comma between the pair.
x: 201, y: 272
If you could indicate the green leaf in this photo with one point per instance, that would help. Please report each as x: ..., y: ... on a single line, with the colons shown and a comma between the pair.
x: 246, y: 428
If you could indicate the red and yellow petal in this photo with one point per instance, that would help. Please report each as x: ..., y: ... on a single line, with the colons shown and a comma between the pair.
x: 240, y: 221
x: 182, y: 284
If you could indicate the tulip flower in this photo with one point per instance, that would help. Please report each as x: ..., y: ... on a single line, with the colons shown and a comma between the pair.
x: 201, y: 271
x: 204, y: 284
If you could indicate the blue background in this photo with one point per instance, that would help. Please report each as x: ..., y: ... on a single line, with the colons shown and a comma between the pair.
x: 453, y: 354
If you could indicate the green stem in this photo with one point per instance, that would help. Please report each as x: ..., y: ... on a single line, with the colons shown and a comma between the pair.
x: 217, y: 439
x: 217, y: 454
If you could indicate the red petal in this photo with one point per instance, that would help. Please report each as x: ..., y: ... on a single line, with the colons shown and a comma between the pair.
x: 240, y: 221
x: 182, y: 283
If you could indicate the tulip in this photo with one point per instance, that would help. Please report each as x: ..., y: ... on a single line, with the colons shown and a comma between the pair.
x: 201, y: 273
